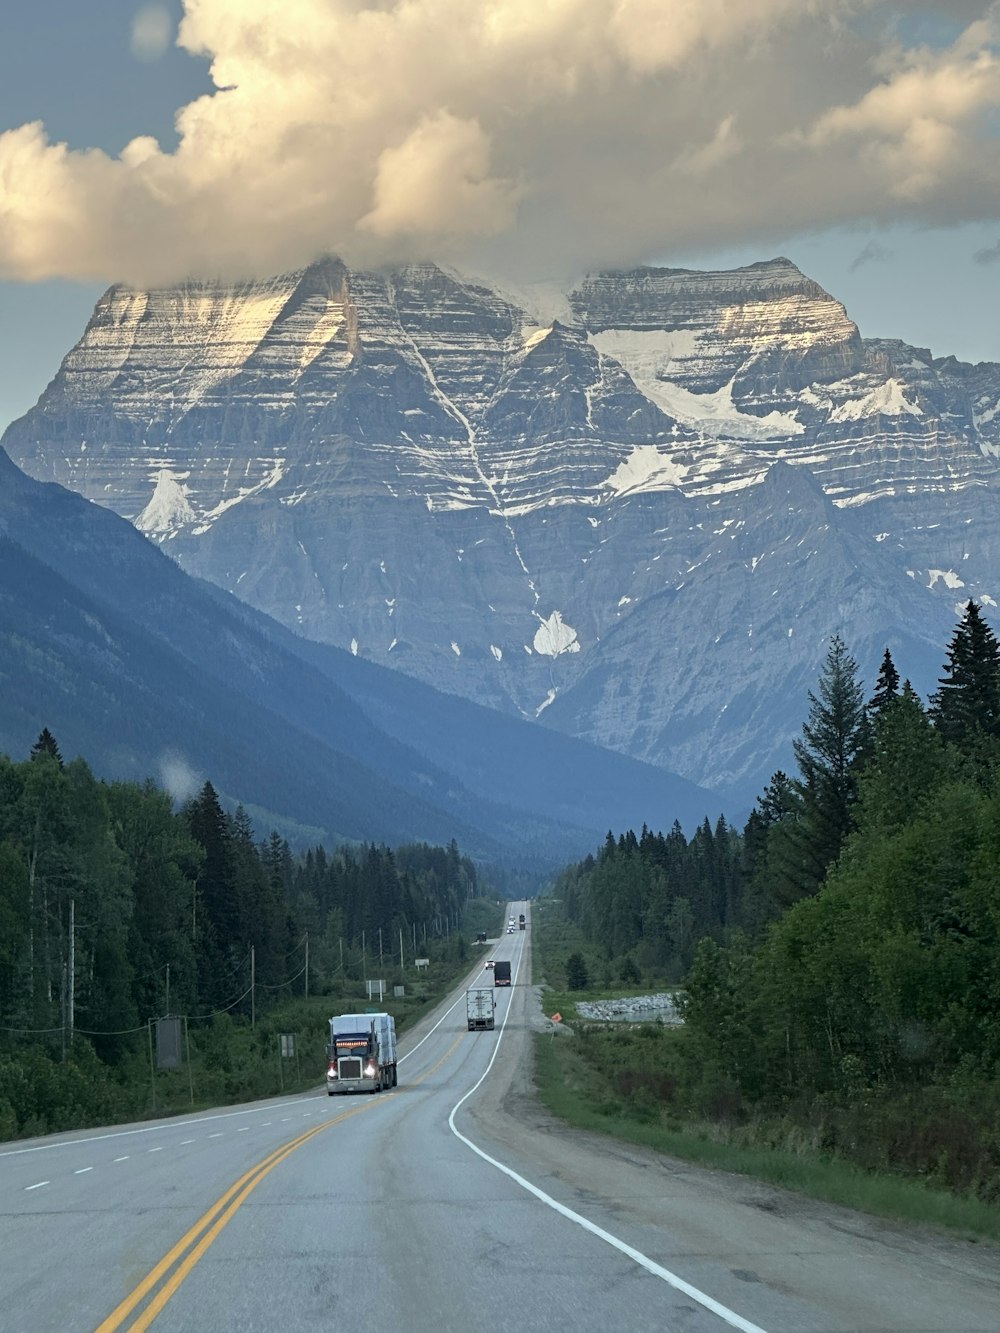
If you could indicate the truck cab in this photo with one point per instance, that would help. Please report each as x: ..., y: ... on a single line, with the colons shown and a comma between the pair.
x: 361, y: 1056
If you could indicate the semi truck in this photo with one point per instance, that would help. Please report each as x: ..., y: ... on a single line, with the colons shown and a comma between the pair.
x: 361, y: 1056
x: 501, y: 973
x: 521, y: 922
x: 481, y: 1007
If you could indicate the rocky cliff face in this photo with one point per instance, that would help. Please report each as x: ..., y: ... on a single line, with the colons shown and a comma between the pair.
x: 639, y: 522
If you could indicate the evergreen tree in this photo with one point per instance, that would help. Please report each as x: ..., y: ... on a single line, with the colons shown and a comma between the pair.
x: 966, y: 707
x: 833, y: 740
x: 46, y: 744
x: 886, y: 687
x: 577, y: 976
x: 906, y: 767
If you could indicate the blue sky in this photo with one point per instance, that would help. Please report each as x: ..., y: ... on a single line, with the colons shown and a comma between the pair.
x: 73, y: 66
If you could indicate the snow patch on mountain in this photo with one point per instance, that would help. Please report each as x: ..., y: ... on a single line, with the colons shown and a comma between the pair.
x: 886, y: 400
x: 533, y: 336
x: 554, y: 637
x: 168, y: 507
x: 947, y: 576
x: 650, y: 354
x: 645, y: 469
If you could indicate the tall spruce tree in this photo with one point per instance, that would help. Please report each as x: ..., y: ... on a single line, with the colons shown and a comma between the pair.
x: 886, y: 687
x: 966, y: 707
x: 46, y: 745
x: 833, y: 741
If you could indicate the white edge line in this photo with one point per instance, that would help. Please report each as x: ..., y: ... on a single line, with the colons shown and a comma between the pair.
x: 729, y: 1316
x: 36, y: 1187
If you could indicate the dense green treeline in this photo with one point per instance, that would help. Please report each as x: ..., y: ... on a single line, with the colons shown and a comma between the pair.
x: 840, y: 955
x: 116, y: 908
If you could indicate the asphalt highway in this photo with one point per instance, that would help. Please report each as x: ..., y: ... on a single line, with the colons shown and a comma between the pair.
x: 451, y: 1202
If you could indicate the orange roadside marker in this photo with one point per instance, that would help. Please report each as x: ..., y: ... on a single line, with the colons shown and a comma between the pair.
x: 557, y: 1018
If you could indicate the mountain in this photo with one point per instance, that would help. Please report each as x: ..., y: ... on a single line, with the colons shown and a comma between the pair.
x: 148, y: 672
x: 634, y: 512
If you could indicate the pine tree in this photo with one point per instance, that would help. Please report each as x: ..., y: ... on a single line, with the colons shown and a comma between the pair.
x: 577, y: 976
x: 886, y: 687
x: 966, y: 708
x: 833, y: 741
x: 46, y: 745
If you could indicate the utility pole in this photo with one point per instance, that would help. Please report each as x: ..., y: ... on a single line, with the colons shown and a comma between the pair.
x: 71, y: 969
x: 364, y: 956
x: 168, y: 991
x: 380, y: 967
x: 307, y: 965
x: 253, y: 985
x: 401, y: 948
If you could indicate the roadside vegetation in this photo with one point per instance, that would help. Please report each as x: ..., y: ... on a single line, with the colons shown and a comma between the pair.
x: 116, y: 911
x: 839, y: 959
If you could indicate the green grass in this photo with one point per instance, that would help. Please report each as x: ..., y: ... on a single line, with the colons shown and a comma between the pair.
x: 571, y: 1090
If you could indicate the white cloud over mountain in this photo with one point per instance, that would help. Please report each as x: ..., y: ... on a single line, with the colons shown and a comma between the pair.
x: 546, y: 135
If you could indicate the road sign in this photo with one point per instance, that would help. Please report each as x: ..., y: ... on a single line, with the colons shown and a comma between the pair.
x: 557, y: 1018
x: 288, y: 1045
x: 168, y: 1043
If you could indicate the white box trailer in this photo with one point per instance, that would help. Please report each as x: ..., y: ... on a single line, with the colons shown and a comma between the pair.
x: 361, y: 1056
x: 481, y: 1008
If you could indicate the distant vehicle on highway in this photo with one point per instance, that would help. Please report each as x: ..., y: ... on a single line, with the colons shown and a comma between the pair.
x: 488, y: 963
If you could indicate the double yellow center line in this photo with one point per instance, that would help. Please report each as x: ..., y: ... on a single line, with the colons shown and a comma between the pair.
x: 193, y: 1244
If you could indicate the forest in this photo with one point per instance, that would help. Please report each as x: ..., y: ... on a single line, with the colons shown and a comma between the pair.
x: 840, y: 955
x: 116, y: 908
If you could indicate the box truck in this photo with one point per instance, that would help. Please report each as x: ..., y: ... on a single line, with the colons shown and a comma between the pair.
x: 361, y: 1056
x: 481, y: 1008
x: 501, y: 973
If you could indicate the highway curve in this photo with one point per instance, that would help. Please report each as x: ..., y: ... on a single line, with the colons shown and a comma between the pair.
x: 450, y: 1203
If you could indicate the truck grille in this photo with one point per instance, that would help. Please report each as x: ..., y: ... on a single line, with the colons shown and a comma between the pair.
x: 350, y: 1067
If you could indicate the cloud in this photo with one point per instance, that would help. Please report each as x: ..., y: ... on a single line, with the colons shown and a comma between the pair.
x: 989, y: 255
x: 873, y: 253
x: 518, y: 136
x: 178, y: 777
x: 152, y: 29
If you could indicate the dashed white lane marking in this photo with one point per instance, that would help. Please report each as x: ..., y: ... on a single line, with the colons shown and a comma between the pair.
x: 285, y: 1118
x: 121, y: 1159
x: 243, y: 1129
x: 82, y: 1171
x: 160, y: 1149
x: 216, y: 1135
x: 266, y: 1123
x: 146, y: 1129
x: 185, y: 1142
x: 35, y: 1187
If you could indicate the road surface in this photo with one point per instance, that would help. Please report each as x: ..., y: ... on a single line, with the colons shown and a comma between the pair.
x: 450, y: 1203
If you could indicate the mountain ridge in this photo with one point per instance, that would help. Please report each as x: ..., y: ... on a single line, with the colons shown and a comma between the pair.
x: 164, y: 660
x: 407, y: 466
